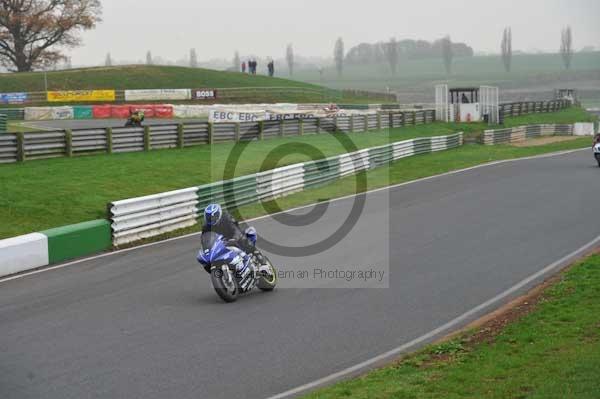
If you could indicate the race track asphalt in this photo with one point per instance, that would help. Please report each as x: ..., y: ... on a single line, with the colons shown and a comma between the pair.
x: 146, y: 323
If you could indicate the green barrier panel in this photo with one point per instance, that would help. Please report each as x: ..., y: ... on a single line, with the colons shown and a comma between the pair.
x: 14, y: 114
x: 2, y: 123
x: 69, y: 242
x: 82, y: 112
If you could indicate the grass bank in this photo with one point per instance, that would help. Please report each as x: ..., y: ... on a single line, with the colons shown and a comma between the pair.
x: 174, y: 77
x: 43, y: 194
x: 550, y: 348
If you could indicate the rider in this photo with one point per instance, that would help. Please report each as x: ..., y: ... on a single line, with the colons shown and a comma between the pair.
x: 221, y: 222
x: 137, y: 117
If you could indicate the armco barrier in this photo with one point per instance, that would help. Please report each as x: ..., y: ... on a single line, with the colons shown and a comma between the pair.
x: 3, y: 123
x: 15, y: 114
x: 138, y: 218
x: 59, y: 143
x: 36, y: 250
x: 521, y: 133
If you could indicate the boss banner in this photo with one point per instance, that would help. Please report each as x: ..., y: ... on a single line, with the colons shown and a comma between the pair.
x: 80, y: 95
x: 204, y: 94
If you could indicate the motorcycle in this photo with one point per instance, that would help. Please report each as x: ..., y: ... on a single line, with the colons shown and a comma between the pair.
x: 232, y: 271
x: 132, y: 122
x: 597, y: 152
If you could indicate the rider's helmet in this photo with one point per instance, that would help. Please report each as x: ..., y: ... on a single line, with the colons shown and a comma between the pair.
x: 212, y: 214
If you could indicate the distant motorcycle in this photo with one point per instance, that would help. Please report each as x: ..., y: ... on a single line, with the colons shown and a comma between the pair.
x: 135, y: 120
x: 232, y: 271
x: 597, y: 152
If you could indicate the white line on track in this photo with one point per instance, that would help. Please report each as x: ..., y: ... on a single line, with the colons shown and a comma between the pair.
x: 47, y: 269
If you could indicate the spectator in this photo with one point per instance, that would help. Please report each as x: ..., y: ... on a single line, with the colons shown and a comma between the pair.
x: 271, y: 67
x: 244, y: 67
x: 254, y: 66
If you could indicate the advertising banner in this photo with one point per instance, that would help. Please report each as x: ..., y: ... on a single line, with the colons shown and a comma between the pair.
x: 62, y: 113
x: 80, y: 95
x: 38, y: 113
x: 217, y: 116
x: 204, y: 94
x: 158, y: 94
x: 13, y: 98
x: 101, y: 111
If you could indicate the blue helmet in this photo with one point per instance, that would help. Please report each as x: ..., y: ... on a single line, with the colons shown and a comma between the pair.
x: 212, y: 214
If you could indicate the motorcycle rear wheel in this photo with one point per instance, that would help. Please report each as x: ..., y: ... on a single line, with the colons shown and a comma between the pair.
x: 268, y: 283
x: 226, y: 291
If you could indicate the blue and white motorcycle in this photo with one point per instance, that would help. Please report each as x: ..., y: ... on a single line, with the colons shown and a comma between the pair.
x: 597, y: 152
x: 232, y: 271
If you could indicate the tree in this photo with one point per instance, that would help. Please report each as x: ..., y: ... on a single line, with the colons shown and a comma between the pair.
x: 289, y: 57
x: 193, y: 58
x: 506, y: 48
x: 566, y: 46
x: 338, y: 56
x: 390, y: 50
x: 236, y: 61
x: 447, y: 53
x: 108, y: 62
x: 32, y: 32
x: 149, y: 60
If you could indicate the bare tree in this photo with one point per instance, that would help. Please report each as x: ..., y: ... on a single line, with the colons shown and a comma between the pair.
x: 193, y: 58
x: 33, y: 31
x: 447, y: 53
x: 566, y: 46
x: 338, y: 56
x: 108, y: 61
x: 390, y: 50
x: 289, y: 57
x: 236, y: 61
x: 149, y: 60
x: 506, y: 49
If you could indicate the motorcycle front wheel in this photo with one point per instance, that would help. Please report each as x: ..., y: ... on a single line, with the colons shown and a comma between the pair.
x: 268, y: 282
x: 225, y: 284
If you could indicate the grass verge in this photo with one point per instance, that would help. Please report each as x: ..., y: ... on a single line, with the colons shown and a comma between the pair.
x: 547, y: 346
x: 37, y: 195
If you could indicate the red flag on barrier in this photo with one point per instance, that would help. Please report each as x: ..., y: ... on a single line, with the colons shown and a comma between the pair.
x: 101, y: 111
x: 120, y: 111
x: 163, y: 111
x: 148, y: 109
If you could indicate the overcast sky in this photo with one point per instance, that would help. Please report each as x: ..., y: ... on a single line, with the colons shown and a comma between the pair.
x: 264, y: 27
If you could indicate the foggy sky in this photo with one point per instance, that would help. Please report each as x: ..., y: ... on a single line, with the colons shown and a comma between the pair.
x: 264, y: 27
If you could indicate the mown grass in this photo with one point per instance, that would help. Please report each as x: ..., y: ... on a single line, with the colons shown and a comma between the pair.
x: 173, y: 77
x: 42, y: 194
x: 553, y: 352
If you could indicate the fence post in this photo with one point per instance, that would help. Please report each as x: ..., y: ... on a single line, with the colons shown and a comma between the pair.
x: 391, y: 117
x: 109, y: 140
x: 146, y: 138
x: 261, y: 128
x: 281, y: 128
x: 318, y: 125
x: 403, y: 118
x: 210, y: 132
x: 301, y: 127
x: 335, y: 124
x: 366, y: 118
x: 21, y: 147
x: 180, y: 137
x: 237, y: 132
x: 68, y: 143
x: 414, y: 117
x: 378, y: 120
